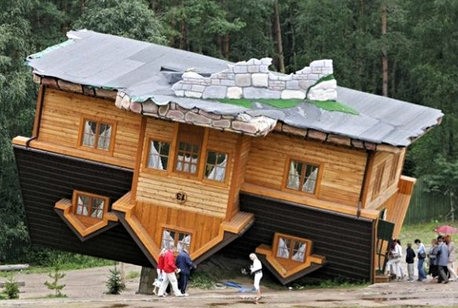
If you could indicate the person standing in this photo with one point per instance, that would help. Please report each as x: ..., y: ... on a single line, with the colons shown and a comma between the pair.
x: 160, y: 274
x: 256, y: 271
x: 410, y: 257
x: 421, y: 253
x: 184, y: 263
x: 395, y: 261
x: 169, y: 269
x: 433, y: 259
x: 442, y: 260
x: 451, y: 257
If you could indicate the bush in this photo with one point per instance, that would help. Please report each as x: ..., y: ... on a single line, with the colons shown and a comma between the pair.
x: 115, y: 284
x: 56, y: 275
x: 11, y: 288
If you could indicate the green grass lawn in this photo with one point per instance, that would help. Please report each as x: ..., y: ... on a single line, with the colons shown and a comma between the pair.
x: 424, y: 232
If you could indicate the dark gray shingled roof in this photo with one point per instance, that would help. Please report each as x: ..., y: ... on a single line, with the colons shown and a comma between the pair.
x: 147, y: 71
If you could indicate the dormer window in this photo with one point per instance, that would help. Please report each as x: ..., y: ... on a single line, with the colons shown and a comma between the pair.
x: 302, y: 176
x: 189, y: 147
x: 291, y: 248
x: 89, y: 205
x: 97, y: 134
x: 180, y: 240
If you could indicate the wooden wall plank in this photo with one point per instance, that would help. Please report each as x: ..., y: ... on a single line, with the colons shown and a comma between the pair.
x: 203, y: 227
x: 61, y: 120
x: 342, y: 168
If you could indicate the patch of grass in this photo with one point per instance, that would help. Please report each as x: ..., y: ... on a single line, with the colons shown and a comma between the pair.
x: 201, y: 280
x: 238, y: 102
x: 332, y: 105
x: 276, y: 103
x: 68, y: 262
x: 55, y: 296
x: 423, y: 231
x: 132, y: 275
x: 315, y: 283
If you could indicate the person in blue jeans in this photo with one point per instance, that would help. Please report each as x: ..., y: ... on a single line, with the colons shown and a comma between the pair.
x: 421, y: 254
x: 184, y: 263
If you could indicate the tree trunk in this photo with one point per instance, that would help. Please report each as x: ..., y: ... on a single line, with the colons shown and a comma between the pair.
x: 226, y: 40
x: 384, y: 52
x: 280, y: 57
x: 147, y: 276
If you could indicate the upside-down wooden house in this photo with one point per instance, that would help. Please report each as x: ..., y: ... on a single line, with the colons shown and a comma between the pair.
x: 136, y: 145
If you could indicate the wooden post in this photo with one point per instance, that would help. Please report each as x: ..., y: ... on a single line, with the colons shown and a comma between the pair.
x: 147, y: 276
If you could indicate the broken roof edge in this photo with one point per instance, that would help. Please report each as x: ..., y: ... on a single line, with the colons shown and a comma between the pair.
x: 245, y: 124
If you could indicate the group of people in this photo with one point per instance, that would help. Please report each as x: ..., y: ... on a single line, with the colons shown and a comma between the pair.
x: 168, y: 267
x: 440, y: 259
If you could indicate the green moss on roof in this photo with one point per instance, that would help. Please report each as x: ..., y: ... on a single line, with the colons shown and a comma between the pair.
x: 332, y: 105
x: 277, y: 103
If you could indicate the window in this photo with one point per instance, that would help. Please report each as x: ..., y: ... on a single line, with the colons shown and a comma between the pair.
x: 97, y: 135
x: 181, y: 240
x: 90, y: 205
x: 302, y: 176
x: 188, y: 148
x: 291, y: 248
x: 158, y: 156
x: 215, y: 168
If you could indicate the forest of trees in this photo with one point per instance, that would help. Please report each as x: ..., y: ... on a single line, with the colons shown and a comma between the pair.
x: 405, y: 49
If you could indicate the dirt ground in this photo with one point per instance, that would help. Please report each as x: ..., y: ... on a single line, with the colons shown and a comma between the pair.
x: 85, y: 288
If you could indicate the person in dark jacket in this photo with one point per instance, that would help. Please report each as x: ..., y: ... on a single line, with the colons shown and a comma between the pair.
x: 442, y: 260
x: 410, y: 257
x: 184, y: 263
x: 432, y: 255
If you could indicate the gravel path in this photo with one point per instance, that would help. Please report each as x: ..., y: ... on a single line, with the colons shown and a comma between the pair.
x: 85, y: 288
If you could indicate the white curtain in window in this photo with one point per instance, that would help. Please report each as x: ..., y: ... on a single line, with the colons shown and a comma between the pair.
x: 293, y: 177
x: 217, y: 173
x: 184, y: 243
x: 89, y: 134
x: 81, y: 208
x: 283, y: 249
x: 166, y: 239
x: 97, y: 211
x: 309, y: 185
x: 299, y: 255
x: 190, y: 164
x: 154, y: 158
x: 105, y: 136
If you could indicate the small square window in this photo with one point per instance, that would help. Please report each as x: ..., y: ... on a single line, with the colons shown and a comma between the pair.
x: 97, y: 135
x: 291, y: 248
x: 180, y: 240
x: 302, y: 176
x: 90, y: 205
x: 215, y: 168
x: 187, y: 158
x: 158, y: 156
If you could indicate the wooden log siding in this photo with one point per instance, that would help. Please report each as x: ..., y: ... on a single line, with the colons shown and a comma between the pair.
x: 60, y: 126
x: 46, y: 178
x: 381, y: 185
x: 341, y: 169
x: 160, y: 187
x: 202, y: 228
x: 345, y: 241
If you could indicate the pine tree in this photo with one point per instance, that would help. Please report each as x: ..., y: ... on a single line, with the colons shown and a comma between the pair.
x: 56, y: 275
x: 115, y: 284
